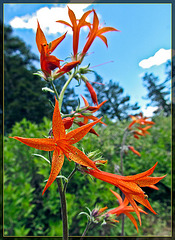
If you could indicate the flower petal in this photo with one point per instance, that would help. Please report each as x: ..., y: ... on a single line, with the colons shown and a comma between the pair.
x: 106, y: 29
x: 57, y: 41
x: 64, y: 22
x: 134, y: 205
x: 104, y: 39
x: 144, y: 202
x: 45, y: 144
x: 117, y: 196
x: 57, y: 123
x: 132, y: 219
x: 72, y: 17
x: 147, y: 181
x: 57, y: 163
x: 77, y: 134
x: 40, y: 37
x: 139, y: 175
x: 79, y: 157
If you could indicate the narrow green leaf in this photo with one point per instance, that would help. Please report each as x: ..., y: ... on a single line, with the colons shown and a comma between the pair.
x: 38, y: 155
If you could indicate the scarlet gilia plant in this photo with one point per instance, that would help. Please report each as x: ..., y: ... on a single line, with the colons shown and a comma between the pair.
x: 61, y: 139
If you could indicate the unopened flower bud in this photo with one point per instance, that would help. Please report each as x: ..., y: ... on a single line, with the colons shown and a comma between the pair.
x: 84, y: 70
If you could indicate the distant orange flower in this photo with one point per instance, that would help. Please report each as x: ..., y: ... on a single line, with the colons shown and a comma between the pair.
x: 140, y: 120
x: 144, y: 130
x: 48, y: 61
x: 76, y: 26
x: 96, y: 31
x: 61, y: 144
x: 134, y: 151
x: 130, y: 186
x: 136, y: 133
x: 124, y: 208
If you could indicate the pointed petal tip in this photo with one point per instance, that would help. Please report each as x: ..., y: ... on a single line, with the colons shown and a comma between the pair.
x: 44, y: 190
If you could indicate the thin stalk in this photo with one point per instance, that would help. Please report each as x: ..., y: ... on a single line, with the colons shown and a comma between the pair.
x: 86, y: 229
x: 64, y: 89
x: 63, y: 210
x: 54, y: 88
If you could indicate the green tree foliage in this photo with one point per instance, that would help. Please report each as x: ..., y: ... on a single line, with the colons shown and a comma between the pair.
x: 159, y: 93
x: 27, y: 212
x: 23, y: 97
x: 22, y: 90
x: 117, y: 106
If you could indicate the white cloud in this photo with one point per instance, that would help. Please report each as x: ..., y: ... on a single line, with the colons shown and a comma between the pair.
x: 47, y: 18
x: 159, y: 57
x: 148, y: 112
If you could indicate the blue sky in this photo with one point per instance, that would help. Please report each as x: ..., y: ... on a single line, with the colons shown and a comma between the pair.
x: 143, y: 45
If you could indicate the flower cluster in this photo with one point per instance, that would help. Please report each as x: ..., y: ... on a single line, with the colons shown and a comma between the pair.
x: 141, y: 125
x: 50, y: 62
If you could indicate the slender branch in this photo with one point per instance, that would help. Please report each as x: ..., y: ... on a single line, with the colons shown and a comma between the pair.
x: 54, y: 88
x: 64, y: 89
x: 63, y: 209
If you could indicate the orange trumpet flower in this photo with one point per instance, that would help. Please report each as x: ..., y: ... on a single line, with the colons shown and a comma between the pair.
x: 48, y: 61
x: 76, y: 26
x: 96, y: 31
x: 61, y: 144
x: 125, y: 209
x: 130, y: 186
x: 140, y: 120
x: 134, y: 151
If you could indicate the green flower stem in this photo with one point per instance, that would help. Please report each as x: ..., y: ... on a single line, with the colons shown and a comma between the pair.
x: 64, y: 89
x: 54, y: 88
x: 63, y: 209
